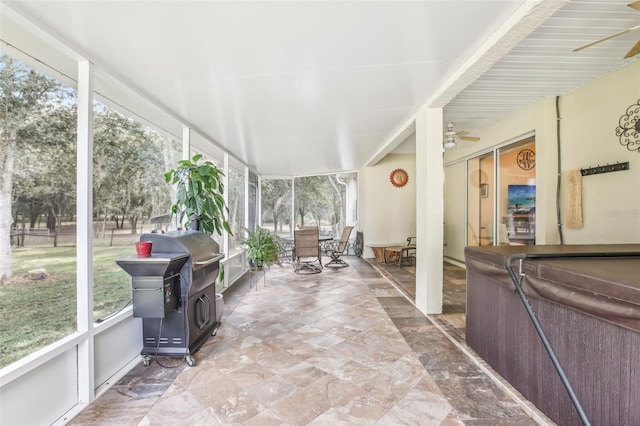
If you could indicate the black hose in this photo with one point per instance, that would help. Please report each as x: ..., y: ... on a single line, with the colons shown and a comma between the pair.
x: 559, y: 178
x: 536, y: 323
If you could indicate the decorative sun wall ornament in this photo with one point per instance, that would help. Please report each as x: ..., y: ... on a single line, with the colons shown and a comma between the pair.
x: 628, y: 132
x: 399, y: 178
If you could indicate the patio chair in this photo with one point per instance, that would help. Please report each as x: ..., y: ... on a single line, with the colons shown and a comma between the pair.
x: 306, y: 251
x: 285, y: 254
x: 338, y: 248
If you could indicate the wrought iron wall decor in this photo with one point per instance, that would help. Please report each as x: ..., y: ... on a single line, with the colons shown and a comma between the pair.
x: 526, y: 159
x: 628, y: 132
x: 605, y: 169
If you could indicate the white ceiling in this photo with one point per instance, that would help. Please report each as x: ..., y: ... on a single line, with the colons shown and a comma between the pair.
x: 304, y: 87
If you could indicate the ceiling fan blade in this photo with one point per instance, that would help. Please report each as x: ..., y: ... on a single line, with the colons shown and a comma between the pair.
x: 577, y: 49
x: 470, y: 138
x: 634, y: 51
x: 461, y: 134
x: 635, y: 5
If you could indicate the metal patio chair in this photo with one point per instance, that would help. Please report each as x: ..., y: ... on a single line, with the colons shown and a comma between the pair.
x: 338, y: 248
x: 306, y: 251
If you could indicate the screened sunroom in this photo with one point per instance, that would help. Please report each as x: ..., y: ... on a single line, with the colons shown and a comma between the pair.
x: 324, y: 114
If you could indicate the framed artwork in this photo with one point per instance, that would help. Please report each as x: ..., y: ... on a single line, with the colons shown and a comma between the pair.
x: 484, y: 190
x: 521, y: 198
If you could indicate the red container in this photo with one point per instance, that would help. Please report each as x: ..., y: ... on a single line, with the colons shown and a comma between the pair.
x: 143, y: 248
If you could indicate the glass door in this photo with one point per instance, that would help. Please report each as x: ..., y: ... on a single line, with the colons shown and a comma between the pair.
x: 480, y: 204
x: 517, y: 193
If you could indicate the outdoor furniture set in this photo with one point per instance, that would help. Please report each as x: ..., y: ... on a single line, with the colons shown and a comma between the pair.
x: 308, y: 248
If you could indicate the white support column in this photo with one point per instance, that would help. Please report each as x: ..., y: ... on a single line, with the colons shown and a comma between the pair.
x: 246, y: 196
x: 225, y: 180
x: 430, y: 206
x: 186, y: 143
x: 84, y: 243
x: 259, y: 202
x: 292, y: 227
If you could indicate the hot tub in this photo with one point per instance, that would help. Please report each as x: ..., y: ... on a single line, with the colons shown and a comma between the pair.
x: 589, y: 308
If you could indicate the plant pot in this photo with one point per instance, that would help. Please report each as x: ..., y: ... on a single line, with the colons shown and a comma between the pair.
x: 143, y: 248
x: 194, y: 222
x: 219, y: 307
x: 256, y: 264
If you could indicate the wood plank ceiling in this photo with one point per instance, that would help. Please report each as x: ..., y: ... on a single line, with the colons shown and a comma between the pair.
x: 544, y: 63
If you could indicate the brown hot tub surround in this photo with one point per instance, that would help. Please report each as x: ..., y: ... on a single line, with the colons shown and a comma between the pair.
x: 589, y: 308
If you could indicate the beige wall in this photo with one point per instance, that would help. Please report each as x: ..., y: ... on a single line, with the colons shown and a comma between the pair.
x: 387, y: 214
x: 454, y: 209
x: 589, y: 116
x: 611, y: 201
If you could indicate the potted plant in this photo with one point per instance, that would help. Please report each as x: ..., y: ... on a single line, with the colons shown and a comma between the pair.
x: 263, y: 247
x: 199, y: 195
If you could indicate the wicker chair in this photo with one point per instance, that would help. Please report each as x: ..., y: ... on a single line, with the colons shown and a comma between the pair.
x: 338, y: 248
x: 306, y: 251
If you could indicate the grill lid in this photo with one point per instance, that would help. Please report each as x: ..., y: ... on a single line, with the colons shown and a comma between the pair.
x: 203, y: 249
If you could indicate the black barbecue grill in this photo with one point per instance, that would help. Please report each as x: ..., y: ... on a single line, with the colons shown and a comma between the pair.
x: 174, y: 292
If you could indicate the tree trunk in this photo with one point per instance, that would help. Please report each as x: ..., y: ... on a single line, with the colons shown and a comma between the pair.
x: 338, y: 208
x: 133, y: 221
x: 6, y: 181
x: 104, y: 225
x: 51, y: 220
x: 34, y: 212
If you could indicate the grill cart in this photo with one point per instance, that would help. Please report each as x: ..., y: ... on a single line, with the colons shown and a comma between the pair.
x: 174, y: 292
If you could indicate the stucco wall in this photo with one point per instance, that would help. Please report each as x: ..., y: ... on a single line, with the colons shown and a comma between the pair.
x: 611, y: 201
x: 387, y: 214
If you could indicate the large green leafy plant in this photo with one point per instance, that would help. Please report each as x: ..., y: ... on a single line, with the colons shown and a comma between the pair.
x: 263, y: 247
x: 199, y: 193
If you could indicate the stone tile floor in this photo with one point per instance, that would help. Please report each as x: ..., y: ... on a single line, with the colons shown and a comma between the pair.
x: 344, y: 347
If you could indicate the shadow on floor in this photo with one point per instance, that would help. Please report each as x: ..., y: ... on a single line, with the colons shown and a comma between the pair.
x: 454, y: 282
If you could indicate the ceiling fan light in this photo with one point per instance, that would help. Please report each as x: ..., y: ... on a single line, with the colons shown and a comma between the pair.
x: 450, y: 144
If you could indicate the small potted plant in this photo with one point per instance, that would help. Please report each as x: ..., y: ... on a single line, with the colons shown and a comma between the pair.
x: 263, y: 247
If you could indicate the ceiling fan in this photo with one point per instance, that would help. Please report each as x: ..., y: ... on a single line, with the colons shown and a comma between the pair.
x: 634, y: 50
x: 451, y: 135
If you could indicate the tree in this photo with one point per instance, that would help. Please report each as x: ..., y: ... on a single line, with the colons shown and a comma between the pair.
x: 45, y: 175
x: 338, y: 202
x: 276, y: 201
x: 128, y: 169
x: 312, y: 198
x: 235, y: 206
x: 24, y: 94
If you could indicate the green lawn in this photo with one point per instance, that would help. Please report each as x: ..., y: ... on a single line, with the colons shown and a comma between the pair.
x: 34, y: 314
